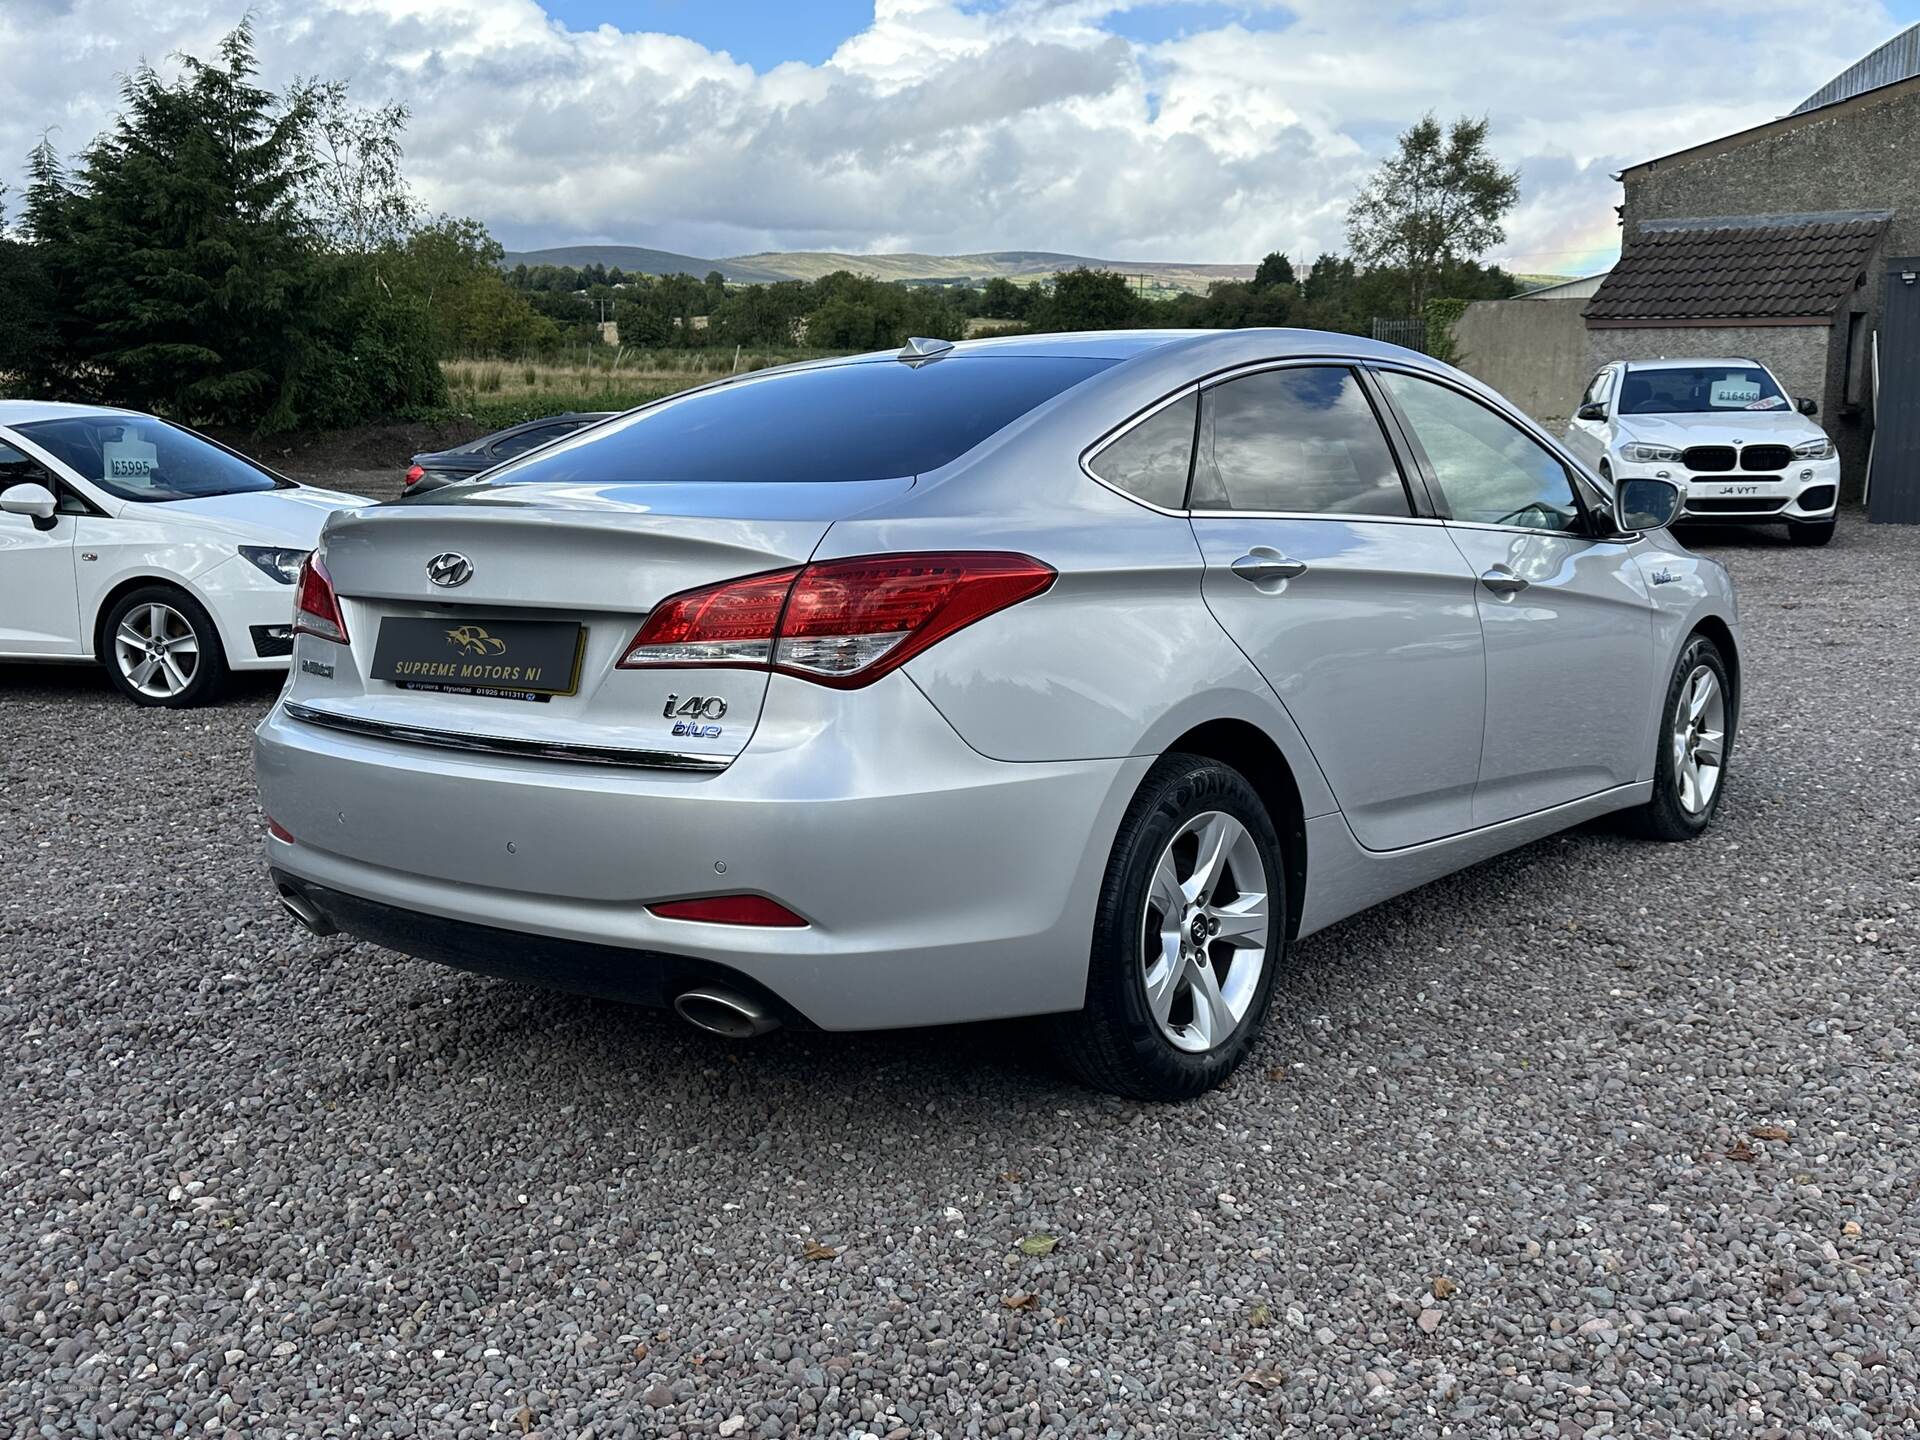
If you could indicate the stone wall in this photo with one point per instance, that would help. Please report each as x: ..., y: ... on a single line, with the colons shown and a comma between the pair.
x: 1534, y: 352
x: 1857, y: 156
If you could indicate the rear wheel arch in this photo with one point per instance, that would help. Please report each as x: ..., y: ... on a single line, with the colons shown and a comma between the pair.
x: 1252, y: 752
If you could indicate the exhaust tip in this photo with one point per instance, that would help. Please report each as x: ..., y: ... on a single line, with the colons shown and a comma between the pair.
x: 303, y: 910
x: 722, y: 1012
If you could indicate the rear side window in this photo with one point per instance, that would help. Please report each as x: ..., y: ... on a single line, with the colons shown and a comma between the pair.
x: 877, y: 420
x: 1303, y: 440
x: 529, y: 440
x: 1152, y: 460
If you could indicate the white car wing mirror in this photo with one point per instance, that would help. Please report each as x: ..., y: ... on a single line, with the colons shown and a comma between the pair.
x: 34, y: 501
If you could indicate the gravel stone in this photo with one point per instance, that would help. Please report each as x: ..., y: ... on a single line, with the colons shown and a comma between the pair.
x: 1649, y: 1107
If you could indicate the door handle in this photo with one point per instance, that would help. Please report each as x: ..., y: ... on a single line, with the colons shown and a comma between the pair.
x: 1262, y: 563
x: 1502, y: 581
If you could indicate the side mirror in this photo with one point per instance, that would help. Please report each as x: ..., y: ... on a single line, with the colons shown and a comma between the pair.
x: 1595, y: 410
x: 1807, y: 405
x: 1645, y: 504
x: 34, y: 501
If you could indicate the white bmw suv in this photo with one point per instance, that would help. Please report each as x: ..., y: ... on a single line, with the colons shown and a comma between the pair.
x: 1724, y: 430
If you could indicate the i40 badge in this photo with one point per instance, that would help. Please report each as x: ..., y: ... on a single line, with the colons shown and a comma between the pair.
x: 695, y: 707
x: 688, y: 714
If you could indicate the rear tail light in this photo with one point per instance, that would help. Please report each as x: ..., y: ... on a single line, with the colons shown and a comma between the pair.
x: 843, y: 623
x: 730, y: 910
x: 413, y: 475
x: 733, y: 623
x: 317, y: 611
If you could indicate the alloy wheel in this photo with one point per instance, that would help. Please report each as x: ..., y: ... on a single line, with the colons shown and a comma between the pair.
x: 157, y: 651
x: 1204, y: 931
x: 1699, y: 739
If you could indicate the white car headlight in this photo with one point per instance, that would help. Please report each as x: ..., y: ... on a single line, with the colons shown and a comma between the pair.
x: 1821, y: 449
x: 282, y: 565
x: 1638, y: 452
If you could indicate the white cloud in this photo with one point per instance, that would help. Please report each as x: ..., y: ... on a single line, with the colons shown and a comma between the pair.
x: 945, y: 127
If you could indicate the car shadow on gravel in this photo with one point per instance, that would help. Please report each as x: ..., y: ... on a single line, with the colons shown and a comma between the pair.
x: 541, y: 1050
x: 27, y: 681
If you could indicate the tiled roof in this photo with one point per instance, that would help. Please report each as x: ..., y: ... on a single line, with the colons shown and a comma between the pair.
x: 1772, y: 267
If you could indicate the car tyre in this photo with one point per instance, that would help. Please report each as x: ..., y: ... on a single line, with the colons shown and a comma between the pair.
x: 1154, y: 1026
x: 162, y: 648
x: 1816, y: 534
x: 1697, y: 722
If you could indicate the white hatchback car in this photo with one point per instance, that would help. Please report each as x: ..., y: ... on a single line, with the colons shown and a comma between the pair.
x: 127, y: 540
x: 1724, y: 430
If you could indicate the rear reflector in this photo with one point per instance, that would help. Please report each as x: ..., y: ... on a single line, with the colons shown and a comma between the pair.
x: 843, y: 623
x: 317, y: 611
x: 414, y: 474
x: 279, y: 831
x: 730, y: 910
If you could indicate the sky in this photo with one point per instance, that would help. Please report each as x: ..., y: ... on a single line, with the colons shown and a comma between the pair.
x: 1196, y: 130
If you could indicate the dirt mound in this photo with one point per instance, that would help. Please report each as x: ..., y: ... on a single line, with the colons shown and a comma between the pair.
x: 317, y: 454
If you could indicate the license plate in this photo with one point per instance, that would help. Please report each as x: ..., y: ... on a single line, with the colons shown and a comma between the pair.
x: 1747, y: 489
x: 512, y: 659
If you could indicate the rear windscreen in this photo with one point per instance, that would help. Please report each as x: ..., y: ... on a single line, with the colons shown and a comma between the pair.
x: 872, y: 421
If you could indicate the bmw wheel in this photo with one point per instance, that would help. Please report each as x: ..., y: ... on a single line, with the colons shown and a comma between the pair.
x: 1696, y: 740
x: 162, y: 649
x: 1189, y: 934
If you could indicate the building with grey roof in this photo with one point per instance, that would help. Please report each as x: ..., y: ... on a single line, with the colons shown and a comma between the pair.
x: 1779, y: 242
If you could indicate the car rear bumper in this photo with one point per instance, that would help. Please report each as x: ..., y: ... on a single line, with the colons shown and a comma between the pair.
x: 938, y: 885
x: 612, y: 972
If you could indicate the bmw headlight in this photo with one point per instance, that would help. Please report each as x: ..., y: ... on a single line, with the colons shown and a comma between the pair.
x: 1637, y: 452
x: 282, y: 565
x: 1821, y: 449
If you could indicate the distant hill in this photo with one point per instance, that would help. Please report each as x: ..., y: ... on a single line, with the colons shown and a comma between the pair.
x: 638, y: 259
x: 774, y: 265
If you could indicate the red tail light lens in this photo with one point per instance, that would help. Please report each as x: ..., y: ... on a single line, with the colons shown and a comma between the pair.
x: 849, y: 621
x: 730, y: 910
x: 317, y: 611
x: 733, y: 623
x: 843, y: 623
x: 413, y: 475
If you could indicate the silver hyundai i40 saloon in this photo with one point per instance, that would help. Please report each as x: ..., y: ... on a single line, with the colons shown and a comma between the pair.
x: 1074, y: 675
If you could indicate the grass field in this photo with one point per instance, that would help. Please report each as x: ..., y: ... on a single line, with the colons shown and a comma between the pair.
x: 505, y: 392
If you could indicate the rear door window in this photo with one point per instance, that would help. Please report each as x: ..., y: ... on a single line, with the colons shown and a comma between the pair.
x: 874, y: 420
x: 1300, y: 440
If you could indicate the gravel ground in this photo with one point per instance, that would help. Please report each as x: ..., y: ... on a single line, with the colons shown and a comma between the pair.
x: 1598, y: 1138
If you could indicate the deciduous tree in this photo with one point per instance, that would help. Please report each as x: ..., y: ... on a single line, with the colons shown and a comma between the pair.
x: 1439, y: 200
